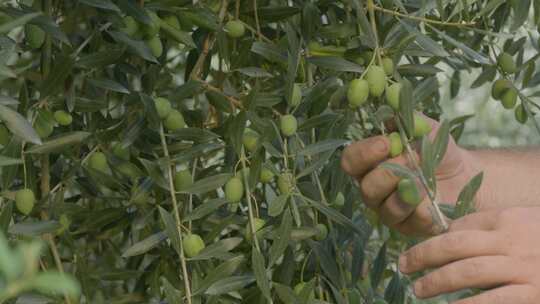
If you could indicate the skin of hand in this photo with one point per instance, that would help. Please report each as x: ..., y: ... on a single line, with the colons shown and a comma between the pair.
x: 377, y: 185
x: 496, y: 249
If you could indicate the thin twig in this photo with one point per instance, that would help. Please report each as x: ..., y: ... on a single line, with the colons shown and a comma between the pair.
x: 248, y: 197
x: 177, y: 218
x: 421, y: 19
x: 253, y: 30
x: 438, y: 217
x: 257, y: 22
x: 208, y: 43
x: 371, y: 10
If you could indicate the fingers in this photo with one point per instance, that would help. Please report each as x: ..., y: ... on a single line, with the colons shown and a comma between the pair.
x: 394, y: 211
x: 362, y: 156
x: 379, y: 183
x: 420, y: 222
x: 486, y: 220
x: 515, y: 294
x: 448, y: 248
x: 478, y: 272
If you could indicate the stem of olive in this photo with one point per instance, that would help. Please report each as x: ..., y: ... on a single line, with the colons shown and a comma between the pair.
x: 177, y: 218
x: 248, y: 198
x: 371, y: 10
x: 438, y: 217
x: 257, y: 22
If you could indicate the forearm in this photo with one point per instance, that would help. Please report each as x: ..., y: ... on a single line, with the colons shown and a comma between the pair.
x: 511, y: 177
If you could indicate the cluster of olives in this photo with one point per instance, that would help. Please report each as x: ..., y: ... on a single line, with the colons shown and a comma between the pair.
x: 45, y: 122
x: 374, y: 85
x: 505, y: 91
x: 149, y: 33
x: 173, y: 119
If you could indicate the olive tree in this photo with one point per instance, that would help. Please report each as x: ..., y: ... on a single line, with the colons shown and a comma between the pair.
x: 189, y: 151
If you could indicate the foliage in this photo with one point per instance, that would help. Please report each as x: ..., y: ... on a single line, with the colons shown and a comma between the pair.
x: 185, y: 152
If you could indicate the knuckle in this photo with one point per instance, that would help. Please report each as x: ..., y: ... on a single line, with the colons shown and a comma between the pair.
x: 453, y: 240
x: 368, y: 190
x: 474, y: 269
x: 431, y: 282
x: 385, y: 175
x: 415, y: 257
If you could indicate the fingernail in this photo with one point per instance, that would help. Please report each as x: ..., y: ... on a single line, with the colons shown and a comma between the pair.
x: 418, y: 288
x: 355, y: 182
x: 403, y: 263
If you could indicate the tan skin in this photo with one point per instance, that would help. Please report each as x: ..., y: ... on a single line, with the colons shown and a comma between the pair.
x: 495, y: 247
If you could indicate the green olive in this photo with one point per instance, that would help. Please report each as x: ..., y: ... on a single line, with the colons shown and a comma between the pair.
x: 499, y: 87
x: 139, y: 197
x: 298, y: 288
x: 359, y: 59
x: 172, y: 20
x: 509, y: 98
x: 392, y: 95
x: 258, y: 224
x: 163, y: 107
x: 155, y: 45
x: 250, y: 140
x: 376, y: 78
x: 35, y: 36
x: 314, y: 45
x: 63, y: 118
x: 286, y: 183
x: 98, y: 161
x: 152, y: 29
x: 266, y: 175
x: 235, y: 29
x: 296, y: 97
x: 288, y: 125
x: 121, y: 152
x: 129, y: 170
x: 421, y: 126
x: 322, y: 232
x: 64, y: 222
x: 183, y: 180
x: 43, y: 128
x: 339, y: 201
x: 408, y: 192
x: 506, y: 63
x: 358, y: 92
x: 396, y: 146
x: 175, y: 121
x: 5, y: 136
x: 193, y: 245
x: 521, y: 114
x: 234, y: 190
x: 388, y: 66
x: 25, y: 200
x: 131, y: 27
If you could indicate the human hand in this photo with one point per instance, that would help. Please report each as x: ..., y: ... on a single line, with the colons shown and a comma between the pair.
x: 494, y: 249
x: 377, y: 185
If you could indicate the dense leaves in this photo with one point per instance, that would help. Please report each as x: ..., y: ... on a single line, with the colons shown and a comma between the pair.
x: 189, y: 151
